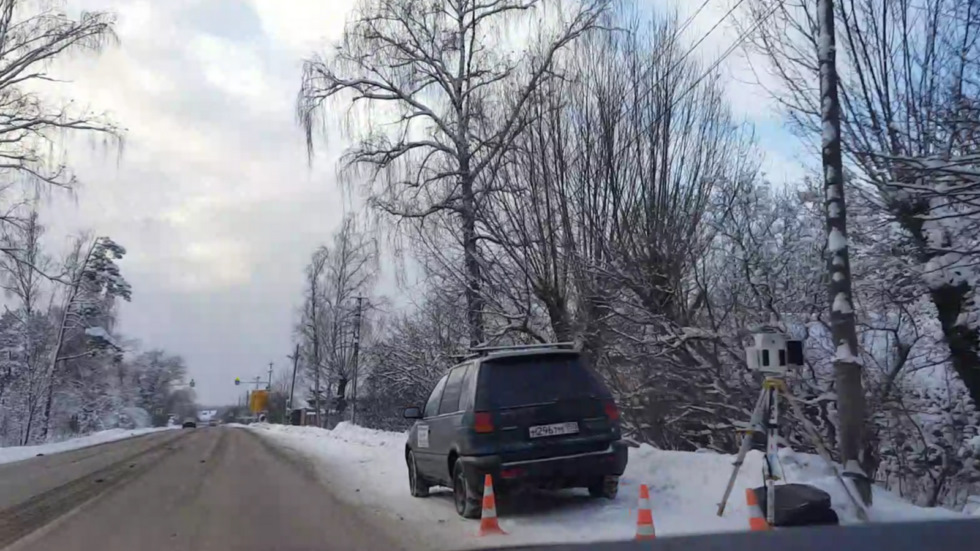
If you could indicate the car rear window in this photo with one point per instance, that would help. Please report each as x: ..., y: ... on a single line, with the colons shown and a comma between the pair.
x: 527, y: 380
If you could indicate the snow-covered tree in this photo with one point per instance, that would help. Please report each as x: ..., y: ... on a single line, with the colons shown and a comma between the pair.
x: 22, y: 274
x: 909, y: 120
x: 455, y: 95
x: 336, y: 276
x: 91, y: 285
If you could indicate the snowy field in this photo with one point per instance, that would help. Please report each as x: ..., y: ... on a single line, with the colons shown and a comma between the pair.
x: 17, y: 453
x: 367, y: 468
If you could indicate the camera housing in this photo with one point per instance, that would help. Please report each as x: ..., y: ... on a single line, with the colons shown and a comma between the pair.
x: 774, y: 353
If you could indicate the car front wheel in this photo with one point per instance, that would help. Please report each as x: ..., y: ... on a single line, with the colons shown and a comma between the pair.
x: 417, y: 484
x: 466, y: 506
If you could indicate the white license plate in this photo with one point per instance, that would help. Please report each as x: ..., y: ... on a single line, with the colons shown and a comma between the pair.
x: 556, y: 429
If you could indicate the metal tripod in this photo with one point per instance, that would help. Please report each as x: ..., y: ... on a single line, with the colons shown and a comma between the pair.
x: 768, y: 402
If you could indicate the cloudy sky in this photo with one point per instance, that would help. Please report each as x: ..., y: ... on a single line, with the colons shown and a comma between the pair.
x: 212, y: 195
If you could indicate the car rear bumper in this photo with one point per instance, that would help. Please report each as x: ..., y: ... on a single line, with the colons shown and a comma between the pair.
x: 567, y: 470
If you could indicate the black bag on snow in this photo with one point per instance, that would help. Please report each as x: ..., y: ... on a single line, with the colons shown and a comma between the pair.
x: 799, y: 505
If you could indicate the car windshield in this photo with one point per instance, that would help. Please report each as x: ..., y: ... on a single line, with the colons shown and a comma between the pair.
x: 528, y: 380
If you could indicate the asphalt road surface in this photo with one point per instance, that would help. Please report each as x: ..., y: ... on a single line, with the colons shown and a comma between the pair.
x: 206, y: 489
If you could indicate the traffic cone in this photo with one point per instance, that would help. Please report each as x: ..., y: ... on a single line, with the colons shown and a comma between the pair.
x: 757, y: 523
x: 488, y: 518
x: 644, y: 516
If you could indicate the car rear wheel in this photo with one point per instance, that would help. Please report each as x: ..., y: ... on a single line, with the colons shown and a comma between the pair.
x: 466, y: 506
x: 604, y: 486
x: 417, y: 484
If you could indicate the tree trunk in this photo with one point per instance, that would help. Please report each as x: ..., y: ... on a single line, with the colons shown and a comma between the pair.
x: 53, y: 368
x: 847, y: 368
x: 342, y: 393
x: 292, y: 386
x: 558, y: 315
x: 62, y: 329
x: 27, y: 429
x: 316, y: 348
x: 950, y: 301
x: 47, y: 407
x: 316, y: 391
x: 963, y: 341
x: 474, y: 298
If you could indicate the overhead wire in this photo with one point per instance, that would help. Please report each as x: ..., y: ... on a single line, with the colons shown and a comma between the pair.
x: 697, y: 82
x: 670, y: 44
x: 712, y: 29
x: 677, y: 34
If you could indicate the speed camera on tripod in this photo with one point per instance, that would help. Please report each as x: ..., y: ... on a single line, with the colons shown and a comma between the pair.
x: 773, y: 353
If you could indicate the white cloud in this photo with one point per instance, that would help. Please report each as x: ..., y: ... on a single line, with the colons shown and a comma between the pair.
x: 213, y: 196
x: 235, y: 69
x: 306, y: 26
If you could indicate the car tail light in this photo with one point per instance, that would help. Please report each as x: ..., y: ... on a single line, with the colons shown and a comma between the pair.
x: 482, y: 422
x: 612, y: 412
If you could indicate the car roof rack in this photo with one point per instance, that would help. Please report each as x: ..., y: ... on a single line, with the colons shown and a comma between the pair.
x: 477, y: 351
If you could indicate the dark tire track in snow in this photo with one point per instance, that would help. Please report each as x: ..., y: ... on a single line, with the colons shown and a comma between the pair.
x: 130, y: 458
x: 20, y: 480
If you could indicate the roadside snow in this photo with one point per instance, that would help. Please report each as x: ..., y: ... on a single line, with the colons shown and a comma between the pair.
x: 367, y: 468
x: 18, y: 453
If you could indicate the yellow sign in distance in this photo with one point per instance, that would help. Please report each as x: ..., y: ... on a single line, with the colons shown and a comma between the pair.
x: 258, y: 401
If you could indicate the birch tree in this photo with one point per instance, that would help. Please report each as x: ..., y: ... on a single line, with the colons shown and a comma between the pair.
x: 847, y: 366
x: 336, y: 275
x: 351, y: 269
x: 21, y: 269
x: 92, y: 285
x: 309, y: 328
x: 32, y: 36
x: 455, y: 90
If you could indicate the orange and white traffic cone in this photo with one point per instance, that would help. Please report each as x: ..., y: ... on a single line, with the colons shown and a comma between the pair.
x: 488, y: 519
x: 644, y: 516
x: 757, y: 523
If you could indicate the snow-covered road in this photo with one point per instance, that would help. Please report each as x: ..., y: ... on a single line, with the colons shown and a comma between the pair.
x: 367, y: 468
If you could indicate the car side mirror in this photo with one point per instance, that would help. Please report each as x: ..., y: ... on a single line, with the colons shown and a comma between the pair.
x: 413, y: 413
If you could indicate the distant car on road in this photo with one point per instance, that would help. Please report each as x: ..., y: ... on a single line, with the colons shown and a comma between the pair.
x: 213, y: 423
x: 532, y: 416
x: 189, y: 424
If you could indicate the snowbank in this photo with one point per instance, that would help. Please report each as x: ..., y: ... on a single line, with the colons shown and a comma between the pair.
x: 367, y: 467
x: 17, y: 453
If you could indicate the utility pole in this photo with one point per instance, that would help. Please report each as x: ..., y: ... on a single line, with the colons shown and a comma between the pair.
x: 292, y: 386
x: 270, y: 377
x: 357, y: 347
x: 847, y: 366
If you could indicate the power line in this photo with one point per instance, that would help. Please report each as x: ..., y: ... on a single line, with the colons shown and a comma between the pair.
x: 742, y: 38
x: 738, y: 42
x: 676, y: 35
x: 683, y: 58
x: 712, y: 29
